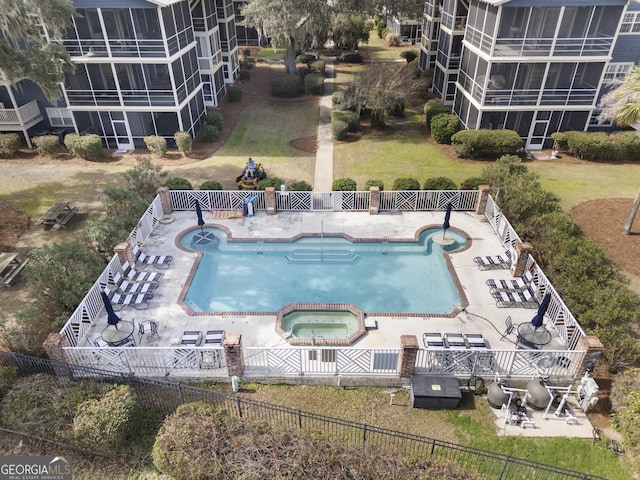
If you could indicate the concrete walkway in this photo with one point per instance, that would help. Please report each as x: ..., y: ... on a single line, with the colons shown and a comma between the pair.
x: 323, y: 177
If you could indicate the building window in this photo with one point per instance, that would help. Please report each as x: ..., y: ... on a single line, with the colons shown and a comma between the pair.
x: 597, y: 120
x: 616, y: 72
x: 630, y: 23
x: 60, y: 117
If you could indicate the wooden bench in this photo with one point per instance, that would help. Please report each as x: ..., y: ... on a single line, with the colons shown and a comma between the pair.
x: 10, y: 267
x: 60, y: 213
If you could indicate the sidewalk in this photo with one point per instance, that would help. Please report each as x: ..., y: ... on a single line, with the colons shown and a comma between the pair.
x: 323, y: 177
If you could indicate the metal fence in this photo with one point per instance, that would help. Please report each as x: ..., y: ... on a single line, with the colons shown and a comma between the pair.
x: 165, y: 397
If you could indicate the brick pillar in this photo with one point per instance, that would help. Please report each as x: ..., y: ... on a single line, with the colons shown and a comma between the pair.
x: 233, y: 354
x: 594, y: 348
x: 523, y: 249
x: 483, y: 197
x: 408, y: 355
x: 53, y: 346
x: 374, y: 200
x: 165, y: 200
x: 125, y: 253
x: 270, y: 200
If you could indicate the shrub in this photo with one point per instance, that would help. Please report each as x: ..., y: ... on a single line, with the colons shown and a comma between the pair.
x: 178, y: 183
x: 344, y: 185
x: 244, y: 74
x: 247, y: 64
x: 440, y: 183
x: 625, y: 401
x: 393, y: 39
x: 105, y: 423
x: 156, y: 145
x: 285, y: 86
x: 406, y: 183
x: 184, y: 142
x: 626, y: 145
x: 8, y: 376
x: 472, y: 183
x: 588, y: 145
x: 374, y: 183
x: 210, y: 133
x: 352, y: 119
x: 235, y: 94
x: 305, y: 58
x: 351, y: 58
x: 339, y: 129
x: 10, y: 144
x: 88, y: 147
x: 486, y: 143
x: 410, y: 55
x: 317, y: 66
x: 246, y: 52
x: 300, y: 186
x: 443, y: 127
x: 314, y: 84
x: 397, y: 110
x: 47, y: 144
x: 211, y: 185
x: 274, y: 182
x: 432, y: 108
x: 215, y: 118
x: 381, y: 27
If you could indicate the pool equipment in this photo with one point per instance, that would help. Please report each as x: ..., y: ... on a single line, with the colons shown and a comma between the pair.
x: 508, y: 399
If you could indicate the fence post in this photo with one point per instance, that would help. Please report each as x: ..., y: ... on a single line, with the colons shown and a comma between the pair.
x: 374, y: 200
x: 300, y: 418
x: 270, y: 200
x: 165, y: 200
x: 239, y: 404
x: 519, y: 265
x: 233, y: 356
x: 408, y: 355
x: 125, y: 253
x: 504, y: 466
x: 364, y: 434
x: 483, y: 197
x: 180, y: 393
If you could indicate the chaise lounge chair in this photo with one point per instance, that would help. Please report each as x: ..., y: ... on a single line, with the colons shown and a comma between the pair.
x: 433, y: 340
x: 158, y: 261
x: 515, y: 298
x: 125, y: 286
x: 134, y: 276
x: 521, y: 283
x: 455, y: 340
x: 138, y: 301
x: 491, y: 262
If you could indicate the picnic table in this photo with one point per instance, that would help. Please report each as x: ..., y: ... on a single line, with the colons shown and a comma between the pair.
x: 58, y: 214
x: 10, y: 266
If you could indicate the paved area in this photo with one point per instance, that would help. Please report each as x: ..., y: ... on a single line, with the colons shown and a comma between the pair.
x: 323, y: 174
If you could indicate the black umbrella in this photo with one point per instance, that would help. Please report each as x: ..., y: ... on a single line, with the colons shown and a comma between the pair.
x: 112, y: 318
x: 199, y: 214
x: 202, y: 237
x: 447, y: 216
x: 538, y: 318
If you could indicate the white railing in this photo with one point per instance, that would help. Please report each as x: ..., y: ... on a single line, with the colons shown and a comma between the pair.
x: 20, y: 116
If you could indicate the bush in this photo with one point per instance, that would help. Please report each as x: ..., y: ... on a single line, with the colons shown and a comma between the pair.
x: 184, y: 142
x: 374, y: 183
x: 626, y: 145
x: 352, y: 119
x: 317, y: 66
x: 305, y: 58
x: 244, y: 74
x: 47, y: 144
x: 344, y: 185
x: 381, y: 26
x: 432, y: 108
x: 10, y: 144
x: 406, y: 183
x: 397, y: 110
x: 486, y: 144
x: 8, y: 377
x: 314, y: 84
x: 393, y: 39
x: 216, y: 119
x: 339, y: 129
x: 625, y: 402
x: 211, y: 185
x: 88, y: 147
x: 178, y: 183
x: 235, y: 94
x: 104, y: 424
x: 472, y: 183
x: 247, y: 64
x: 300, y: 186
x: 443, y: 127
x: 284, y: 86
x: 156, y: 145
x: 210, y: 133
x: 599, y: 146
x: 440, y: 183
x: 274, y: 182
x: 351, y: 58
x: 246, y: 52
x: 410, y: 55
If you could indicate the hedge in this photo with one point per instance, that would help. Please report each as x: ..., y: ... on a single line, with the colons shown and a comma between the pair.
x: 339, y: 129
x: 314, y: 84
x: 374, y: 183
x: 156, y: 145
x: 178, y: 183
x: 284, y: 86
x: 486, y: 143
x: 46, y: 144
x: 184, y: 142
x: 352, y: 119
x: 235, y: 94
x: 317, y: 66
x: 432, y: 108
x: 300, y: 186
x: 344, y: 185
x: 443, y: 127
x: 211, y: 185
x: 599, y: 146
x: 88, y: 147
x: 406, y: 183
x: 210, y: 133
x: 440, y: 183
x: 215, y: 118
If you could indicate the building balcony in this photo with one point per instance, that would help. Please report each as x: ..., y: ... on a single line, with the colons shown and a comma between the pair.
x: 22, y: 117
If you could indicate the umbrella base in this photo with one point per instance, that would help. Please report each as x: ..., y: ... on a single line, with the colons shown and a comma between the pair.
x: 203, y: 238
x: 442, y: 240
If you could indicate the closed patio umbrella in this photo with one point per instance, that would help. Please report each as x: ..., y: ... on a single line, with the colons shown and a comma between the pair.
x: 202, y: 237
x: 447, y: 216
x: 538, y: 318
x: 112, y: 318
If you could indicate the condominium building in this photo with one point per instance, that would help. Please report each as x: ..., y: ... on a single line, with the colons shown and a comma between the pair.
x: 533, y: 66
x: 143, y: 67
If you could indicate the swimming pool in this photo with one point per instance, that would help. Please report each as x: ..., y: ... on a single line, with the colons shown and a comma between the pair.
x: 379, y: 277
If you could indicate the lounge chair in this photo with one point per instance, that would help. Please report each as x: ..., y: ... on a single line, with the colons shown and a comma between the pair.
x: 515, y: 298
x: 139, y: 301
x: 476, y: 340
x: 124, y: 286
x: 191, y: 337
x: 158, y: 261
x: 134, y: 276
x: 433, y: 340
x: 521, y: 283
x: 491, y: 262
x: 214, y: 337
x: 455, y: 340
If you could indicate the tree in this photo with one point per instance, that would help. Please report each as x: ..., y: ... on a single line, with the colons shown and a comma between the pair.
x: 348, y: 30
x: 291, y: 21
x: 25, y: 50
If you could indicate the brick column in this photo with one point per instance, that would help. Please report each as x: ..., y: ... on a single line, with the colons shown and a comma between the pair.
x: 374, y: 200
x: 483, y: 197
x: 408, y: 355
x: 523, y: 249
x: 165, y: 200
x: 594, y: 348
x: 233, y: 354
x: 125, y: 253
x: 270, y: 200
x: 53, y: 346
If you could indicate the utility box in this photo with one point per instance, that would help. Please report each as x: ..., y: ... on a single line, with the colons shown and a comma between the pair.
x: 431, y: 391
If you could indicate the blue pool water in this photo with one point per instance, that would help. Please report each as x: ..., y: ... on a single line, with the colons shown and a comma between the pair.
x: 320, y: 324
x: 385, y: 277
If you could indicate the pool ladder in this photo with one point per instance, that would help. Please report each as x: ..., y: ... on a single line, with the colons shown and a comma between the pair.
x: 322, y: 256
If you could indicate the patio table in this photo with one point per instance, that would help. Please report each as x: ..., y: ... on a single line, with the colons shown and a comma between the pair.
x: 118, y: 335
x: 536, y: 336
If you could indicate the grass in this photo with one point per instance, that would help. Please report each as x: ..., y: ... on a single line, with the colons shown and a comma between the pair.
x: 377, y: 48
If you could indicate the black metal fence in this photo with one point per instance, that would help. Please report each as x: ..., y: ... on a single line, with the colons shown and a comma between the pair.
x: 165, y: 397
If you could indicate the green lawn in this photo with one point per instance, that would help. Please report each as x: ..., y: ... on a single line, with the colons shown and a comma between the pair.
x: 377, y: 49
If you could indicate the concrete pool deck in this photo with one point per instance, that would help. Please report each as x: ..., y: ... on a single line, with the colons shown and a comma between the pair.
x: 481, y: 316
